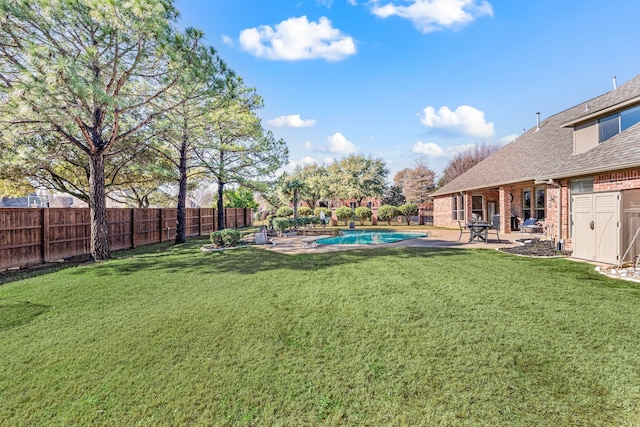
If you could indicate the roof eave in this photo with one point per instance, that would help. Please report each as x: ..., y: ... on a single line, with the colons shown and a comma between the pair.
x: 602, y: 112
x: 588, y: 171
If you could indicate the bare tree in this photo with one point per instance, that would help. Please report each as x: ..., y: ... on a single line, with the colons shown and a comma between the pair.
x: 417, y: 182
x: 465, y: 160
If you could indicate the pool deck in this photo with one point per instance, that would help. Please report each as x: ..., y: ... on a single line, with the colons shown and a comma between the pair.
x: 293, y: 244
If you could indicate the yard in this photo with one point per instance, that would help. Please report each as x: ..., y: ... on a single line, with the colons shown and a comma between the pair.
x: 400, y: 336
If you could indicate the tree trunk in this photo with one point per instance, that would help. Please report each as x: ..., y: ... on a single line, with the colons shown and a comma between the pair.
x: 181, y: 228
x: 98, y: 209
x: 295, y: 208
x: 220, y: 206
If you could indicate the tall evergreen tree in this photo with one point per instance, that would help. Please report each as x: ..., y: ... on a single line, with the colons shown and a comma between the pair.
x: 91, y: 73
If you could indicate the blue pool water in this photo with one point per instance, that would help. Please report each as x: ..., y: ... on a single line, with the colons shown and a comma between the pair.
x: 361, y: 237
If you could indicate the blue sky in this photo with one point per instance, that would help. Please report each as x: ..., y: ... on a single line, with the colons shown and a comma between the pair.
x: 416, y: 78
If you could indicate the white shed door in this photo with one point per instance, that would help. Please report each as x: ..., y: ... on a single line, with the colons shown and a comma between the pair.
x: 596, y: 232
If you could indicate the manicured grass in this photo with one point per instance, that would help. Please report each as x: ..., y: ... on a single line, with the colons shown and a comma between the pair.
x: 401, y: 336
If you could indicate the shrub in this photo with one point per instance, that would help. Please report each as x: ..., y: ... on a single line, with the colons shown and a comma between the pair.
x: 408, y: 210
x: 387, y: 213
x: 304, y: 211
x: 281, y: 224
x: 284, y: 212
x: 363, y: 213
x: 225, y: 238
x: 344, y: 213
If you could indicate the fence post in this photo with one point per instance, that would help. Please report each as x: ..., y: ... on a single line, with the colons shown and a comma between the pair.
x: 200, y: 222
x: 161, y: 223
x: 46, y: 251
x: 134, y: 228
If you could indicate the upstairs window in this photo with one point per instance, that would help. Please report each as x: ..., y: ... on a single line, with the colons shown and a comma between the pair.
x: 612, y: 125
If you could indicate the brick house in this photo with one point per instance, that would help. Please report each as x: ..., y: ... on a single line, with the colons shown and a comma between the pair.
x: 577, y: 172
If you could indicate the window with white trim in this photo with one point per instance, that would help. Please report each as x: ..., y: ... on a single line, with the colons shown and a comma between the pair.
x: 457, y: 203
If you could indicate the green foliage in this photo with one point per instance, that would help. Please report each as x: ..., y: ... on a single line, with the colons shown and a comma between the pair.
x: 408, y: 210
x: 86, y: 80
x: 327, y: 212
x: 281, y: 224
x: 358, y: 177
x: 240, y: 198
x: 387, y: 213
x: 284, y: 211
x: 363, y: 213
x: 225, y: 238
x: 344, y: 213
x: 304, y: 211
x: 393, y: 196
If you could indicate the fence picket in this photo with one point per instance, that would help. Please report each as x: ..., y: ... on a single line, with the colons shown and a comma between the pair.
x: 31, y: 236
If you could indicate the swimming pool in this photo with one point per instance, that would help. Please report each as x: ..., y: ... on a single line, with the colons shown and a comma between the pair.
x: 363, y: 237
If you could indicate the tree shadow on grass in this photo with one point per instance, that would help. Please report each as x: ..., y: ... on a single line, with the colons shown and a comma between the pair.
x: 251, y: 260
x: 18, y: 313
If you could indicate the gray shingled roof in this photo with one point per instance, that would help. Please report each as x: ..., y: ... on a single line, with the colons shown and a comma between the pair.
x: 548, y: 152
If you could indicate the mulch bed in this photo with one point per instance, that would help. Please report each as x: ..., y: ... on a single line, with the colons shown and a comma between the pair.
x: 536, y: 248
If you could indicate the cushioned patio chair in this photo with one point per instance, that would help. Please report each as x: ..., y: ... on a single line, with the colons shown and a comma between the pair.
x: 531, y: 226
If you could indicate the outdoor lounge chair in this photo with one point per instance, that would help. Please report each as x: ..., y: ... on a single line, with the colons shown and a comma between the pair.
x: 530, y: 225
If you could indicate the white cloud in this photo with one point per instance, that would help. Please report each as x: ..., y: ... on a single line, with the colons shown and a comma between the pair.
x: 339, y: 144
x: 326, y: 3
x: 433, y: 15
x: 289, y: 167
x: 227, y: 40
x: 296, y: 39
x: 329, y: 160
x: 507, y: 139
x: 308, y: 145
x: 291, y: 121
x: 431, y: 149
x: 464, y: 120
x: 352, y: 2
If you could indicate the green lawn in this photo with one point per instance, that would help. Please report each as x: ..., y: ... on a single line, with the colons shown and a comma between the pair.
x: 404, y: 336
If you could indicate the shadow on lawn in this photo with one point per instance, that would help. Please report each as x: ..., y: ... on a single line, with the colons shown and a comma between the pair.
x: 250, y: 260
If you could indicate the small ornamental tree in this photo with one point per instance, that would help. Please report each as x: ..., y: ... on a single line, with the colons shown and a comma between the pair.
x: 387, y: 213
x: 281, y: 224
x: 284, y: 211
x: 363, y: 213
x: 408, y: 210
x: 304, y: 211
x: 344, y: 213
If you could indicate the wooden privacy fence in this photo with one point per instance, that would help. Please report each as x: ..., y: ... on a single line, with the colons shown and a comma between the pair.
x: 35, y: 235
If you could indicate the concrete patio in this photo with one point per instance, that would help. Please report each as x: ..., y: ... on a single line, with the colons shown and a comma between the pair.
x: 440, y: 238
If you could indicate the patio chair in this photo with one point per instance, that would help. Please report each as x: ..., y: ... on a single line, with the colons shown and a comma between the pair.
x: 495, y: 226
x: 531, y: 225
x: 463, y: 229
